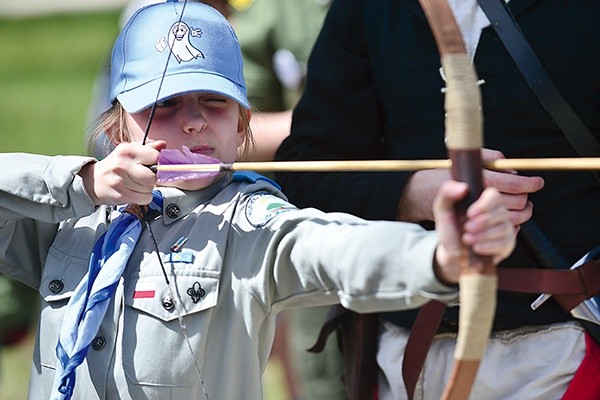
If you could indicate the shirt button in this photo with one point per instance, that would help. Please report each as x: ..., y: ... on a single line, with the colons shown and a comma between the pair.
x: 168, y: 303
x: 173, y: 210
x: 56, y: 286
x: 98, y: 343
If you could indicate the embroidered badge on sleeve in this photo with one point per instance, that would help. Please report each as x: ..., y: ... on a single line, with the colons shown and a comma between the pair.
x: 263, y: 207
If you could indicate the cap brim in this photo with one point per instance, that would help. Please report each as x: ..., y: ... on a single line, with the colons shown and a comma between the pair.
x: 142, y: 97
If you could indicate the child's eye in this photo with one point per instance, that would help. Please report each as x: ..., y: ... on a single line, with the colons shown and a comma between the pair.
x: 166, y: 103
x: 215, y: 99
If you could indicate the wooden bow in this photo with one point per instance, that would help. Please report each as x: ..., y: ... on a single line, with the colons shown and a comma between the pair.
x: 464, y: 139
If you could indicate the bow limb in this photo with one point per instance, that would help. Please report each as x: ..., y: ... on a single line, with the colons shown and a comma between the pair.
x: 464, y: 139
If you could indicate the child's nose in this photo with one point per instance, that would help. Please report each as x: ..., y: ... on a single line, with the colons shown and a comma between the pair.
x: 194, y: 120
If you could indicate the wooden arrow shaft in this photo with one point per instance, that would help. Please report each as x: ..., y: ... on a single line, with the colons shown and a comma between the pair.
x: 519, y: 164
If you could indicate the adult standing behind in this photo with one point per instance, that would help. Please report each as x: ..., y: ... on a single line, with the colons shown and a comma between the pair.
x: 373, y: 91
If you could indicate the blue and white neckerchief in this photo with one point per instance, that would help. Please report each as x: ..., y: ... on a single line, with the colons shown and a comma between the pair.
x: 89, y: 302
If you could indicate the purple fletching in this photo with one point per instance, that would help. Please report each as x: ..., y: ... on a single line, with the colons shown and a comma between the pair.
x: 183, y: 156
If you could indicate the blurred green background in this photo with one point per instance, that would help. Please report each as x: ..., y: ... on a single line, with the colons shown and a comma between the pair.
x: 47, y: 70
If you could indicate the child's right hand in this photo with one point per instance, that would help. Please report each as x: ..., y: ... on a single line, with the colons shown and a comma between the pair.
x: 123, y: 176
x: 487, y: 230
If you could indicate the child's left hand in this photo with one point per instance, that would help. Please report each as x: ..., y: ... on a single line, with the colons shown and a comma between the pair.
x: 487, y: 229
x: 123, y: 176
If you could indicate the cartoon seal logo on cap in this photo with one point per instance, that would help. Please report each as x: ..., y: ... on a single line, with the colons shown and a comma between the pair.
x: 179, y: 42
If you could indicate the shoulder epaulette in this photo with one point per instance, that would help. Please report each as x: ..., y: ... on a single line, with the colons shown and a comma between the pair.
x: 253, y: 177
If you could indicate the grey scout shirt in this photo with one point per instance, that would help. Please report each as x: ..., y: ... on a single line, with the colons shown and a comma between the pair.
x: 249, y: 254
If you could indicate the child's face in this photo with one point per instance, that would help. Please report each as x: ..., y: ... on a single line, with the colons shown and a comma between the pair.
x: 208, y: 124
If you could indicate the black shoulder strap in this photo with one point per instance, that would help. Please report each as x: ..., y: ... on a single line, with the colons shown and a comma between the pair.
x: 530, y: 66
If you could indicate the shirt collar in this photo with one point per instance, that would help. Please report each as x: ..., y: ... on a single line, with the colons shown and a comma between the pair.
x: 179, y: 203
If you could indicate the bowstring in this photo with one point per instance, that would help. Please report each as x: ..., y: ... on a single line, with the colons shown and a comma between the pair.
x: 179, y: 317
x: 147, y: 223
x: 162, y: 79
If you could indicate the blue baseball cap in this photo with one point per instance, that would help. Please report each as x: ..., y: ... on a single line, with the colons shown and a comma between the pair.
x: 201, y: 47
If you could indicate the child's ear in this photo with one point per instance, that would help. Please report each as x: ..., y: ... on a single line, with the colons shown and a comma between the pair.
x: 111, y: 136
x: 116, y: 140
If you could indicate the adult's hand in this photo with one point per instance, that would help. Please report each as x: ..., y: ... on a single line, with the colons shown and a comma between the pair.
x: 416, y: 201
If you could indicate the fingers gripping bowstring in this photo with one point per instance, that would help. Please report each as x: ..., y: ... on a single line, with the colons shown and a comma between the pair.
x: 147, y: 223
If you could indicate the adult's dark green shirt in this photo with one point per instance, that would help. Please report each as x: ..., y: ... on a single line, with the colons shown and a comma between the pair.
x: 265, y: 27
x: 373, y: 91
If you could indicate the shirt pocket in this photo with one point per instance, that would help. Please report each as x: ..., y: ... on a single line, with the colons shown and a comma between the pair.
x: 159, y: 349
x: 61, y: 275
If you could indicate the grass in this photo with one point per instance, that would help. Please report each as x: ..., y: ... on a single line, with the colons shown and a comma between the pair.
x: 47, y: 71
x: 15, y: 364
